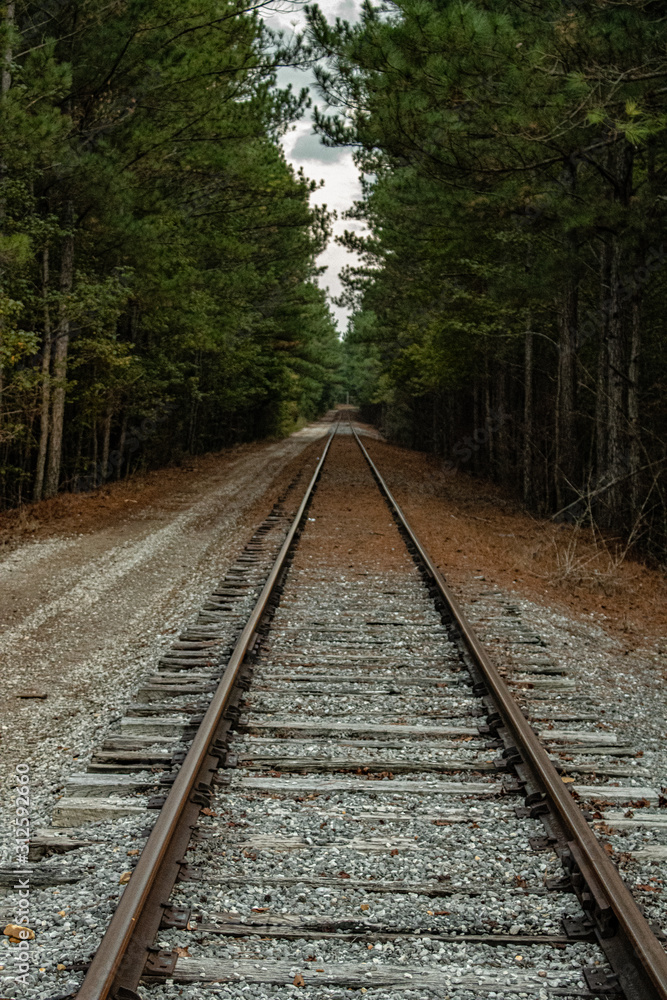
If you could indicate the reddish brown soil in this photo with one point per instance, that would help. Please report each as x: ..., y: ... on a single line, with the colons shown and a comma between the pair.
x: 474, y: 529
x: 160, y: 489
x: 357, y: 534
x: 93, y: 586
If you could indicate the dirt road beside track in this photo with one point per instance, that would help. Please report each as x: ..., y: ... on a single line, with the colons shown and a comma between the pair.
x: 94, y: 586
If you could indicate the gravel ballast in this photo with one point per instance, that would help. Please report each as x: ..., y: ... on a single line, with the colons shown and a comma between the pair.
x: 397, y: 845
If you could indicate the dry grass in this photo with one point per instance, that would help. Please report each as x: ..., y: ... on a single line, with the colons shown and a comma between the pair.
x: 474, y: 529
x: 584, y: 558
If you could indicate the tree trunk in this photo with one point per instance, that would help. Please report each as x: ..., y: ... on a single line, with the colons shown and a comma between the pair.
x: 5, y: 84
x: 105, y: 443
x: 46, y: 387
x: 60, y: 364
x: 96, y: 468
x: 617, y: 464
x: 121, y: 446
x: 78, y: 479
x: 601, y: 401
x: 488, y: 418
x: 618, y: 457
x: 6, y: 78
x: 478, y: 423
x: 501, y: 422
x: 633, y: 404
x: 566, y: 402
x: 547, y: 492
x: 528, y: 414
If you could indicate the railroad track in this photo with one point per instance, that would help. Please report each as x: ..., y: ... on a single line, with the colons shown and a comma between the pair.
x: 363, y: 805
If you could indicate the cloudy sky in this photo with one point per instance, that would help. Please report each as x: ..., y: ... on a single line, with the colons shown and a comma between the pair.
x: 304, y: 149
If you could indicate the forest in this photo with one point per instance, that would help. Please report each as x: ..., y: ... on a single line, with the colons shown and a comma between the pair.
x: 508, y: 308
x: 158, y: 281
x: 158, y: 288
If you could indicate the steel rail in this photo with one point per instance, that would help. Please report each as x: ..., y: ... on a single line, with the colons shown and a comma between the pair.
x: 641, y: 938
x: 101, y: 974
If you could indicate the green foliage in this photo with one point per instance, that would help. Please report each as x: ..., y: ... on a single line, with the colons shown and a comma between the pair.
x: 513, y: 162
x: 150, y: 133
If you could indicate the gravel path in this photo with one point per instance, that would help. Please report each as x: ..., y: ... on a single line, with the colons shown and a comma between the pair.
x: 363, y: 805
x: 84, y: 617
x: 620, y: 696
x: 304, y: 838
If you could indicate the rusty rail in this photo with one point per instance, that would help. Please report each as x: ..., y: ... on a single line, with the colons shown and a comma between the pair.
x: 119, y: 961
x: 600, y: 868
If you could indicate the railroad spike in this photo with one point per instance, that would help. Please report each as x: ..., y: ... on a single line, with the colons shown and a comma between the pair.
x: 600, y: 983
x: 578, y: 929
x: 160, y: 963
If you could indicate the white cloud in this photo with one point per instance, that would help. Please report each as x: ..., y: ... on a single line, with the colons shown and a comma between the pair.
x: 304, y: 150
x: 311, y: 147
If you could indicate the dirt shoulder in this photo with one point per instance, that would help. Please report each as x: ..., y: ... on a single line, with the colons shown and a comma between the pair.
x: 121, y: 502
x: 94, y: 586
x: 478, y: 532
